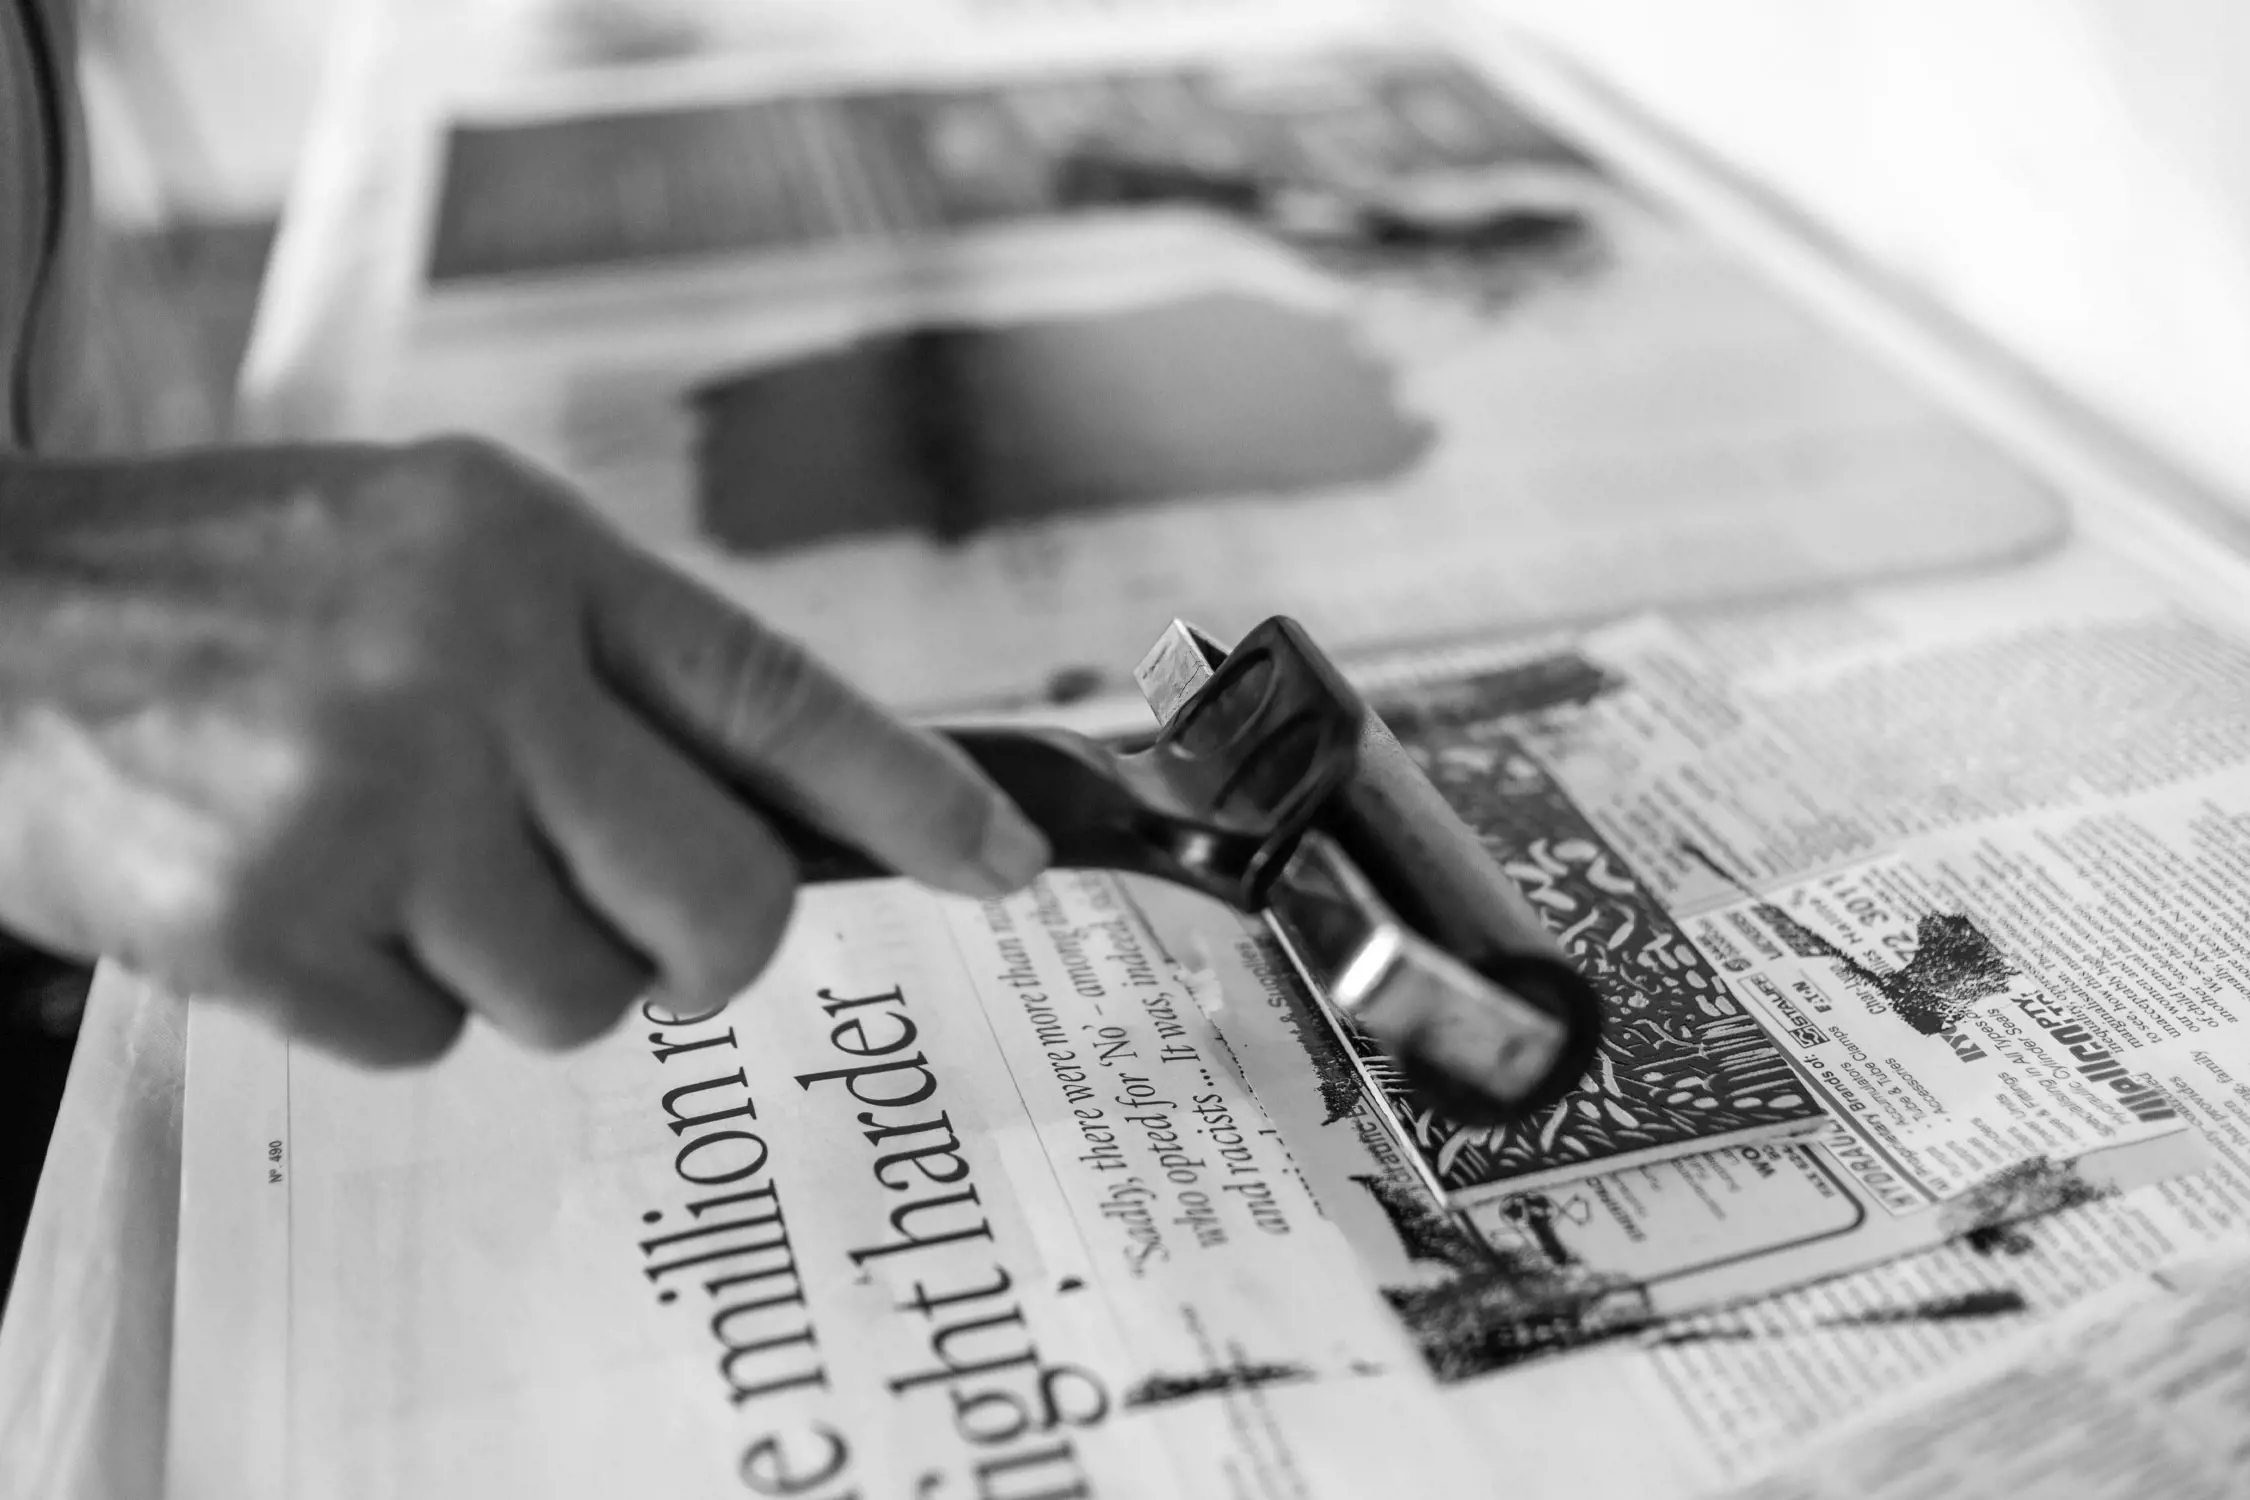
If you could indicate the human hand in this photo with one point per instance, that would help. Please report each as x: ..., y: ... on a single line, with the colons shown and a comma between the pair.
x: 369, y: 738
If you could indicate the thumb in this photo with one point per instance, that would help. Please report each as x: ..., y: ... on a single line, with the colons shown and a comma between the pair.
x: 764, y: 714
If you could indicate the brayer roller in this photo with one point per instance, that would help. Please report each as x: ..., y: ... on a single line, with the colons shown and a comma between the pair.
x: 1271, y: 786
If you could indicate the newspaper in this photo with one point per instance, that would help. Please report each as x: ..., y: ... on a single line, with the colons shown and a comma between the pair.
x: 639, y: 276
x: 1875, y: 986
x: 1148, y: 1105
x: 960, y: 1200
x: 2144, y: 1391
x: 1964, y: 1091
x: 1677, y: 1069
x: 2103, y: 699
x: 520, y: 1342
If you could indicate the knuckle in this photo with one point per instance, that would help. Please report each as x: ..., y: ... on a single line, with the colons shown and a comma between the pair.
x: 769, y: 688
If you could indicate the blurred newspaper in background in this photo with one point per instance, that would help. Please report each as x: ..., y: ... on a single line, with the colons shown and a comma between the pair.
x: 1034, y: 324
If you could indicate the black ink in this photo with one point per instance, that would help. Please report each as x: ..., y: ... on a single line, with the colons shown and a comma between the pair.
x: 1496, y: 1319
x: 1556, y: 680
x: 1074, y: 684
x: 1428, y: 1233
x: 2000, y: 1239
x: 1340, y: 1088
x: 1168, y: 1390
x: 1499, y: 1307
x: 1732, y: 1333
x: 1536, y: 1213
x: 957, y: 428
x: 1962, y: 1307
x: 1953, y: 968
x: 1994, y: 1302
x: 1984, y: 1216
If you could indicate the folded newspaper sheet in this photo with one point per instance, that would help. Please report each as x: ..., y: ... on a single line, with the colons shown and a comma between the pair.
x: 962, y: 1200
x: 1048, y: 1192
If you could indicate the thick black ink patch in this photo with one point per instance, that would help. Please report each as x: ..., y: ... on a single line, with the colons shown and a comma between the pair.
x: 1167, y: 1390
x: 1963, y: 1307
x: 1984, y: 1216
x: 1499, y: 1307
x: 1340, y: 1089
x: 955, y: 428
x: 1556, y: 680
x: 1953, y: 968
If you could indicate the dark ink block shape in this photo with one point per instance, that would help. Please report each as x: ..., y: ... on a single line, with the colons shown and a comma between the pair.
x: 953, y: 428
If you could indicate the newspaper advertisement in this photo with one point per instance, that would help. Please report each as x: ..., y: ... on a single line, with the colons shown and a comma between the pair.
x: 2143, y: 1391
x: 960, y: 1199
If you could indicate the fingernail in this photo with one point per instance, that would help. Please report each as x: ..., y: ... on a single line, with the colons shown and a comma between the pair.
x: 1013, y: 852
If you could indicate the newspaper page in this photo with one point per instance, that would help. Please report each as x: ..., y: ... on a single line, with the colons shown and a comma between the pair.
x: 2011, y: 1105
x: 2061, y: 750
x: 2006, y: 1106
x: 2143, y: 1391
x: 458, y: 1186
x: 1103, y: 251
x: 960, y: 1199
x: 2082, y: 729
x: 1957, y: 1102
x: 1652, y: 766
